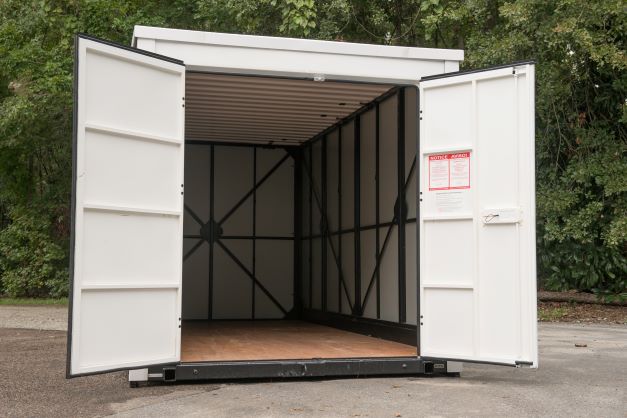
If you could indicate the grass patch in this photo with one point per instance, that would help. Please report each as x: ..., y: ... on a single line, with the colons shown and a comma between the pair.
x: 32, y: 301
x: 551, y: 313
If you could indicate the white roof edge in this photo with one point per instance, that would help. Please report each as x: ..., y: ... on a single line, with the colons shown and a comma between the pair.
x: 295, y: 44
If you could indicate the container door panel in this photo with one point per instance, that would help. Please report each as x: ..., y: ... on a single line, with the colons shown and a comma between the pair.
x: 477, y: 217
x: 127, y: 209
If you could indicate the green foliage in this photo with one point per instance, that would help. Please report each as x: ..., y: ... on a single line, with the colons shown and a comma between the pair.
x: 581, y: 108
x: 33, y: 264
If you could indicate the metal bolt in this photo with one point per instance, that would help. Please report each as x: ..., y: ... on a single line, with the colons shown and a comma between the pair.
x: 195, y: 371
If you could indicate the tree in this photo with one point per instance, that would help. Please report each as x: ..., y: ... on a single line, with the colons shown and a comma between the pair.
x: 581, y: 109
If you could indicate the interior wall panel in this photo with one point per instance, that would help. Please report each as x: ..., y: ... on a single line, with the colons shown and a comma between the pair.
x: 388, y: 157
x: 368, y: 262
x: 275, y: 198
x: 367, y: 165
x: 274, y: 269
x: 232, y: 294
x: 389, y: 277
x: 195, y: 297
x: 348, y: 175
x: 316, y: 274
x: 333, y: 281
x: 231, y: 185
x: 348, y: 269
x: 333, y: 179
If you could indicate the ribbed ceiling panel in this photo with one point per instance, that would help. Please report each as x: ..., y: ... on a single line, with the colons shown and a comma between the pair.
x: 244, y: 109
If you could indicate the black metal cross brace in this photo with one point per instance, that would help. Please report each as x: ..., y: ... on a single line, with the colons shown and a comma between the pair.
x: 213, y: 236
x: 387, y: 235
x: 325, y: 231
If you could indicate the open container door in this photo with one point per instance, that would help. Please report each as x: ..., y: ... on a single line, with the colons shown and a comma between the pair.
x: 477, y: 216
x: 127, y: 203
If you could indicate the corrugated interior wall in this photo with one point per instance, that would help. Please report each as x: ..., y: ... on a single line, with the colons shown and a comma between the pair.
x: 352, y: 178
x: 247, y: 271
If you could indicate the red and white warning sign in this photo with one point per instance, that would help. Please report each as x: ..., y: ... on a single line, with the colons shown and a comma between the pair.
x: 449, y: 171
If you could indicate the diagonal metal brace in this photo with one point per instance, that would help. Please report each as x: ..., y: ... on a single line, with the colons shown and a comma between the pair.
x: 387, y: 237
x: 325, y: 225
x: 252, y: 277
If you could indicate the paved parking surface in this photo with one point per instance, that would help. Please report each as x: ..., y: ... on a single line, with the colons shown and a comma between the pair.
x: 571, y: 381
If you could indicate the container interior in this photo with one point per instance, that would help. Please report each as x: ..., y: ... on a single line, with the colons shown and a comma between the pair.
x: 292, y: 220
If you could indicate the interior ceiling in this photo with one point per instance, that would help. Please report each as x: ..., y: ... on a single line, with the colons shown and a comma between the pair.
x: 229, y: 108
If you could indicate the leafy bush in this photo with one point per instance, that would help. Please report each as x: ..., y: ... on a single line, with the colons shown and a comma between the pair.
x: 581, y: 108
x: 32, y: 263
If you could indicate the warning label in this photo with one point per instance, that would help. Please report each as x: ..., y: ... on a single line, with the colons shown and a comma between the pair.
x: 449, y: 171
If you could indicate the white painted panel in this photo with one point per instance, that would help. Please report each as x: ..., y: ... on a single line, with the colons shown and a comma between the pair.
x: 148, y: 95
x: 449, y: 254
x: 442, y: 103
x: 136, y: 260
x: 499, y: 306
x: 484, y: 268
x: 128, y: 223
x: 137, y: 163
x: 275, y: 197
x: 448, y: 323
x: 278, y: 62
x: 123, y: 328
x: 274, y: 268
x: 232, y: 288
x: 388, y: 158
x: 367, y: 174
x: 389, y: 276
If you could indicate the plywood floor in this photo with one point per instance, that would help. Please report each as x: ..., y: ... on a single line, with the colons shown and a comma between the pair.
x: 279, y: 340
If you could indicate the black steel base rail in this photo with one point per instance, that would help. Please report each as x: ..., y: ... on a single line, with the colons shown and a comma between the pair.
x: 284, y: 369
x: 387, y: 330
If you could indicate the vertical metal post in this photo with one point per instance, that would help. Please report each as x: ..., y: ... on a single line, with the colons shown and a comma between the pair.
x: 402, y: 302
x: 324, y: 224
x: 339, y: 215
x: 377, y: 210
x: 357, y: 309
x: 254, y: 229
x: 298, y: 225
x: 211, y: 223
x: 310, y: 231
x: 418, y: 223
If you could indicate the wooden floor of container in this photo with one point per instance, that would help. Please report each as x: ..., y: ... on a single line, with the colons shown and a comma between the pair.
x: 279, y: 340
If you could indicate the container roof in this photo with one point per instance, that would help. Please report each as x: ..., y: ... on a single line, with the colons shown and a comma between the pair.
x: 294, y: 44
x: 268, y: 110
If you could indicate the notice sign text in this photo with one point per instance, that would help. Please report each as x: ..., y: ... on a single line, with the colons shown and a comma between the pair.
x: 449, y: 171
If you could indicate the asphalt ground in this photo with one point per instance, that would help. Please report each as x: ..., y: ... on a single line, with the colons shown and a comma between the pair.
x: 583, y: 372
